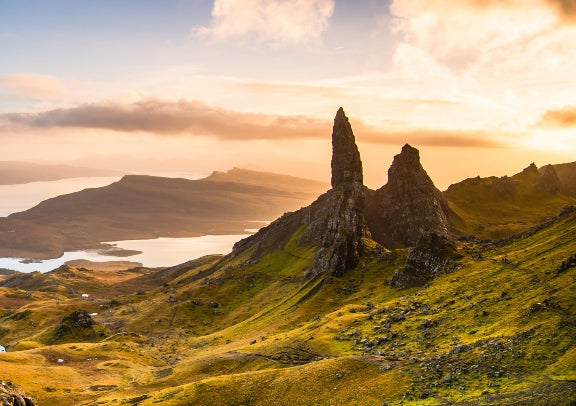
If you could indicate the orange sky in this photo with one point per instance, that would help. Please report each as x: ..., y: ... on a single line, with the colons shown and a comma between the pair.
x: 481, y: 87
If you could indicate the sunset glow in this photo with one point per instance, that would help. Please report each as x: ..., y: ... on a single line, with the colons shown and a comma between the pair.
x: 480, y: 87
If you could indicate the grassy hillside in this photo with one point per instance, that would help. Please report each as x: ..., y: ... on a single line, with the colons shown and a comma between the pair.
x: 226, y: 330
x: 496, y: 208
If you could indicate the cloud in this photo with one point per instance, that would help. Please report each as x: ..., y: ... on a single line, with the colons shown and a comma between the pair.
x: 565, y: 8
x: 484, y: 36
x: 194, y: 118
x: 431, y: 137
x: 279, y: 22
x: 33, y: 86
x: 560, y: 118
x: 173, y: 118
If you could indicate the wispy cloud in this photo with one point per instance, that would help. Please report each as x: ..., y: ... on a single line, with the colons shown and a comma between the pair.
x: 194, y: 118
x: 278, y: 22
x: 181, y: 117
x: 559, y: 118
x: 434, y: 137
x: 33, y: 86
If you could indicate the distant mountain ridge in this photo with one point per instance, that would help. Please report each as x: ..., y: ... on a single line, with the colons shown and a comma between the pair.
x: 14, y: 173
x: 144, y: 207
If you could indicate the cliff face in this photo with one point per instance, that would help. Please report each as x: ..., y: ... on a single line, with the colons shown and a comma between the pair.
x: 334, y: 222
x: 408, y: 205
x: 433, y: 255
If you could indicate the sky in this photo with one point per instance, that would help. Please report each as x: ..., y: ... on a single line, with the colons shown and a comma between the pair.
x: 480, y: 87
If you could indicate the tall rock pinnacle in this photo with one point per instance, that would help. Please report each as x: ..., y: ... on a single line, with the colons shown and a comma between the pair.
x: 346, y: 163
x: 334, y: 223
x: 408, y: 205
x: 338, y: 223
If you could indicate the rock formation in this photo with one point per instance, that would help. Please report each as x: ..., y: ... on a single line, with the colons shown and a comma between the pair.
x: 334, y: 222
x: 433, y: 255
x: 408, y: 205
x: 11, y: 395
x: 77, y: 324
x: 346, y: 163
x: 549, y: 181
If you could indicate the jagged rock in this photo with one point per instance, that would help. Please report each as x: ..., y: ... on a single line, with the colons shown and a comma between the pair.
x: 71, y: 325
x: 11, y: 395
x: 549, y: 181
x: 334, y: 222
x: 434, y: 254
x: 408, y: 205
x: 346, y: 163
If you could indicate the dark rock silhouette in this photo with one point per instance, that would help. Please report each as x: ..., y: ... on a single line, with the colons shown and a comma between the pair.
x: 408, y: 205
x: 433, y: 255
x: 334, y: 222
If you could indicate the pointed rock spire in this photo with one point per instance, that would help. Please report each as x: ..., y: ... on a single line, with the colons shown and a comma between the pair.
x: 334, y: 223
x: 346, y: 163
x: 408, y: 205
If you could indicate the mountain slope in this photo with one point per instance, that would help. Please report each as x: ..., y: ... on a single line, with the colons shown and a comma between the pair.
x: 566, y: 177
x: 140, y: 207
x: 230, y: 332
x: 496, y: 208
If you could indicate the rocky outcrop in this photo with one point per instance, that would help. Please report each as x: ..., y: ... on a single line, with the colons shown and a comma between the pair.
x: 566, y: 177
x: 346, y: 163
x: 408, y: 205
x: 78, y: 324
x: 434, y: 254
x: 334, y: 222
x: 549, y: 181
x: 11, y: 395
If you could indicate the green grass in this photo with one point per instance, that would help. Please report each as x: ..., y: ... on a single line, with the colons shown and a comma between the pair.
x: 491, y: 332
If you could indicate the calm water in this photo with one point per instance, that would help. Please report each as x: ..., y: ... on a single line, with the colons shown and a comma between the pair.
x: 155, y: 253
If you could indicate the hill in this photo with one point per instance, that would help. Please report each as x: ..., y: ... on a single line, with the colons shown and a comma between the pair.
x: 143, y: 207
x: 311, y: 311
x: 495, y: 208
x: 13, y: 173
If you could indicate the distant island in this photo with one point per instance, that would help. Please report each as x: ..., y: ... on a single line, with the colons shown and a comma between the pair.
x: 147, y: 207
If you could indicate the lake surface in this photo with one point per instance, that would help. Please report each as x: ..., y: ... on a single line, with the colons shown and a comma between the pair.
x: 155, y: 253
x: 159, y: 252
